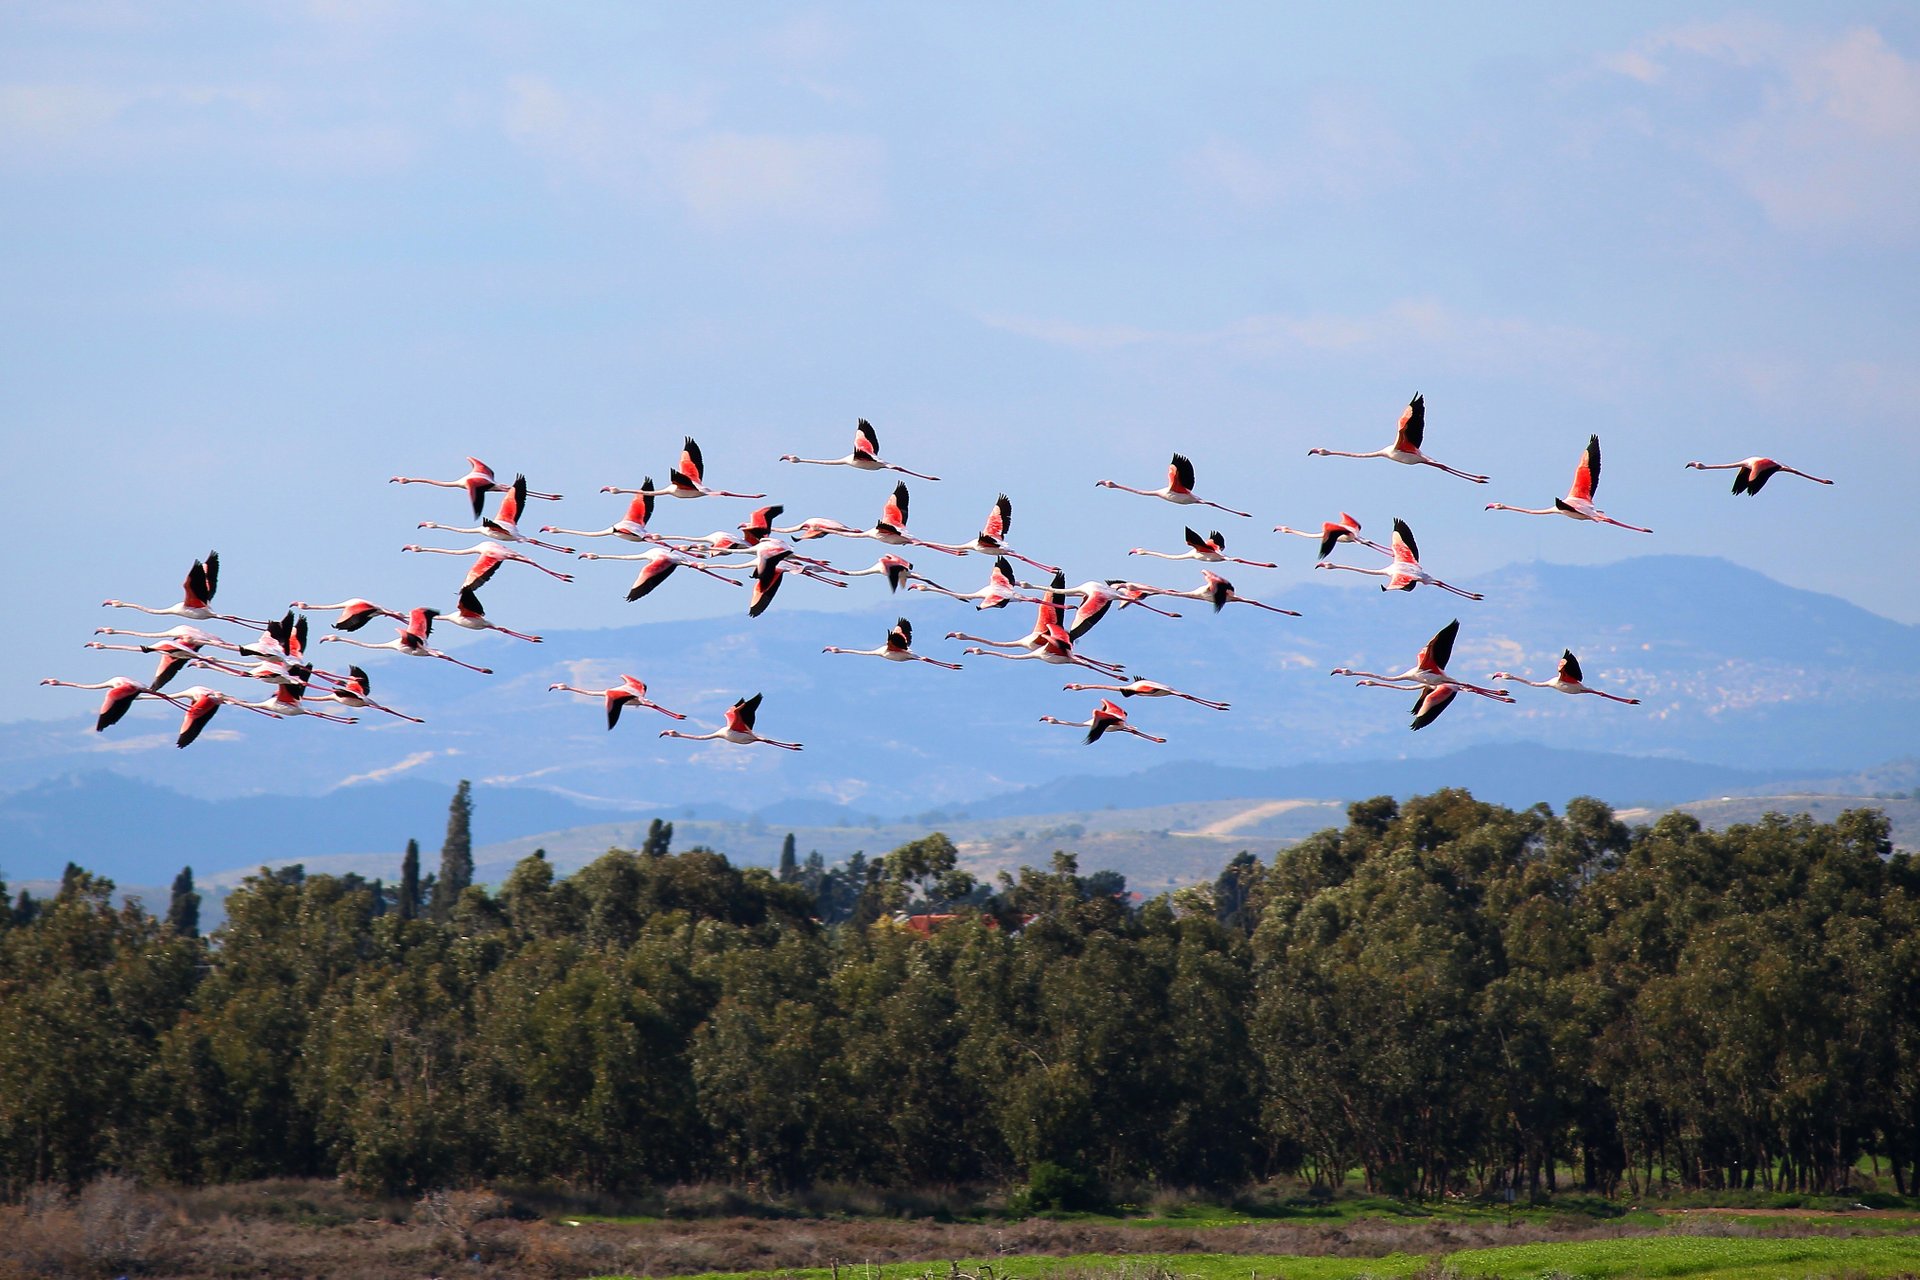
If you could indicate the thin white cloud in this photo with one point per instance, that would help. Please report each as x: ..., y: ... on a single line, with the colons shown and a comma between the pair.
x: 1822, y: 132
x: 413, y: 761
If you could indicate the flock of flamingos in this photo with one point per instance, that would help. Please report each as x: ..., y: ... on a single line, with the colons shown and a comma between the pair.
x: 276, y: 653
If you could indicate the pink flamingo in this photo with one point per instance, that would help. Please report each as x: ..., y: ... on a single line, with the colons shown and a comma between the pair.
x: 738, y: 729
x: 897, y: 570
x: 1211, y: 549
x: 1566, y: 680
x: 412, y: 641
x: 201, y: 703
x: 122, y: 693
x: 478, y: 482
x: 1753, y: 472
x: 865, y: 455
x: 354, y: 614
x: 630, y: 692
x: 1406, y: 444
x: 197, y: 597
x: 1001, y: 590
x: 176, y: 654
x: 470, y: 614
x: 990, y: 540
x: 504, y: 525
x: 1149, y: 689
x: 898, y: 648
x: 657, y: 566
x: 1107, y: 716
x: 1333, y: 533
x: 1218, y: 592
x: 631, y: 527
x: 1432, y: 701
x: 1404, y: 573
x: 1429, y: 669
x: 289, y: 700
x: 488, y: 559
x: 1179, y: 487
x: 357, y: 691
x: 684, y: 481
x: 1578, y: 504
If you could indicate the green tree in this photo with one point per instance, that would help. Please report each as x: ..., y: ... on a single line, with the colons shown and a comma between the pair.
x: 659, y: 839
x: 183, y: 906
x: 456, y: 853
x: 410, y: 882
x: 789, y: 864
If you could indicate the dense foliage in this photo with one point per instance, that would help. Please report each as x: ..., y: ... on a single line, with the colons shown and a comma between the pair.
x: 1444, y: 995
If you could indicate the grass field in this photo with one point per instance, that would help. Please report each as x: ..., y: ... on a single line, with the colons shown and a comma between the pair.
x: 1704, y: 1256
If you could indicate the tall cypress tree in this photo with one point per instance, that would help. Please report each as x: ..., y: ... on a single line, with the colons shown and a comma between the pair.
x: 410, y: 882
x: 659, y: 839
x: 789, y: 862
x: 183, y: 907
x: 456, y: 855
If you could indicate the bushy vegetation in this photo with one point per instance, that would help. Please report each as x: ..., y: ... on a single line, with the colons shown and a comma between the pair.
x: 1447, y: 996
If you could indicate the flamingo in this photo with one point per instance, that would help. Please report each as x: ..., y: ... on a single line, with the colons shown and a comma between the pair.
x: 1406, y: 444
x: 898, y: 648
x: 201, y: 703
x: 288, y: 701
x: 175, y: 655
x: 1179, y: 487
x: 285, y: 640
x: 478, y: 482
x: 1212, y: 549
x: 739, y: 727
x: 1405, y: 573
x: 1000, y: 591
x: 630, y: 692
x: 356, y: 691
x: 1096, y: 599
x: 684, y: 481
x: 1108, y: 715
x: 1055, y: 647
x: 657, y: 566
x: 772, y: 561
x: 1578, y: 504
x: 354, y: 614
x: 896, y: 570
x: 412, y: 641
x: 1566, y: 680
x: 865, y: 455
x: 1218, y: 592
x: 122, y: 693
x: 1753, y: 472
x: 196, y: 599
x: 1333, y: 533
x: 504, y: 526
x: 631, y: 527
x: 490, y: 556
x: 1148, y: 689
x: 989, y: 540
x: 470, y: 614
x: 1429, y: 669
x: 1432, y: 701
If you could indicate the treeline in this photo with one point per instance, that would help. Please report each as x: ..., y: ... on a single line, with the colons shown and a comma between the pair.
x: 1446, y: 995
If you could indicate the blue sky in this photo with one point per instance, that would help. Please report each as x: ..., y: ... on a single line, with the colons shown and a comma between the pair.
x: 254, y: 259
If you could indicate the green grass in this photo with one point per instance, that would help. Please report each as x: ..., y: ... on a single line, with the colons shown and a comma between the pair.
x: 1639, y: 1258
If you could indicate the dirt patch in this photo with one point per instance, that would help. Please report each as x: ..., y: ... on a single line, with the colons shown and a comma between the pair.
x: 1889, y: 1215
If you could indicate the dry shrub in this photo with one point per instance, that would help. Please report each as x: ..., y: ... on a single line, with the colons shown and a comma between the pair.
x: 111, y: 1228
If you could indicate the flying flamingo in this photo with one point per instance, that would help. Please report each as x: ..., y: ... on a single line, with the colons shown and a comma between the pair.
x: 1333, y: 533
x: 631, y: 527
x: 1148, y: 689
x: 656, y: 567
x: 1753, y: 472
x: 1179, y: 487
x: 412, y: 641
x: 354, y: 614
x: 1578, y: 504
x: 1049, y: 641
x: 285, y: 640
x: 470, y: 614
x: 356, y: 691
x: 122, y: 693
x: 1406, y: 444
x: 1432, y: 701
x: 1429, y: 670
x: 1108, y: 715
x: 773, y: 560
x: 865, y: 455
x: 896, y: 570
x: 197, y: 596
x: 176, y: 654
x: 289, y: 700
x: 490, y: 556
x: 989, y: 540
x: 1097, y: 599
x: 1218, y: 592
x: 630, y: 692
x: 478, y: 482
x: 1405, y: 573
x: 504, y: 524
x: 739, y: 727
x: 1566, y: 680
x: 898, y: 648
x: 1211, y: 549
x: 278, y: 671
x: 1002, y: 588
x: 684, y: 481
x: 201, y: 703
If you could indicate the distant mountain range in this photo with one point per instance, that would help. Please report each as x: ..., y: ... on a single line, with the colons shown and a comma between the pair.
x: 1745, y: 682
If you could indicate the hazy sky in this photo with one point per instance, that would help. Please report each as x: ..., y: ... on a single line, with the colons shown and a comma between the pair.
x: 254, y: 259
